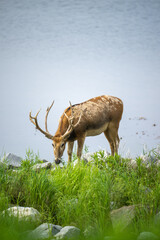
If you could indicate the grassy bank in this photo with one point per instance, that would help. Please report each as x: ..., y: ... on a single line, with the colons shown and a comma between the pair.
x: 82, y: 195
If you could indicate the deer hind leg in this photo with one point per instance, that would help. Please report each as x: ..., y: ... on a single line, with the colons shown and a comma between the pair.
x: 117, y: 142
x: 70, y: 150
x: 112, y: 136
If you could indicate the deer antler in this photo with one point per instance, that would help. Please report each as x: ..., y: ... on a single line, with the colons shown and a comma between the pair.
x: 35, y: 122
x: 47, y: 111
x: 71, y: 127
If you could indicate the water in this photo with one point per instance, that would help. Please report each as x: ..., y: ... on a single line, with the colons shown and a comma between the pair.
x: 76, y: 50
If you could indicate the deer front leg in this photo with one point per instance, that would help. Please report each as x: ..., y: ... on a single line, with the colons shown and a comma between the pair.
x: 70, y: 150
x: 80, y: 146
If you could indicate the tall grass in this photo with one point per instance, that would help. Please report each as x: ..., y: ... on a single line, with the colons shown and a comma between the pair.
x: 83, y: 195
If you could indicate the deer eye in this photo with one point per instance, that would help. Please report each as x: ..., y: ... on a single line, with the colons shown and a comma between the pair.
x: 62, y: 145
x: 52, y: 144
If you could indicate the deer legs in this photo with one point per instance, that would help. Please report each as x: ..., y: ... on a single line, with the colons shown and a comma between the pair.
x: 112, y: 136
x: 79, y: 149
x: 70, y: 150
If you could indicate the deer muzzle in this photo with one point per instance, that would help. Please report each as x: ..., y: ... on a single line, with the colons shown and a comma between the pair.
x: 58, y: 160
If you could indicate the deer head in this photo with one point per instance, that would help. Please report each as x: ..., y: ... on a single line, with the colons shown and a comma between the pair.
x: 58, y: 141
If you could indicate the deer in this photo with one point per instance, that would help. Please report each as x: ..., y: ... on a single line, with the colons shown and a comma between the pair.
x: 90, y: 118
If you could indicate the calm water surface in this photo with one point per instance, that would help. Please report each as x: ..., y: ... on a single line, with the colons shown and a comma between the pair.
x: 75, y: 50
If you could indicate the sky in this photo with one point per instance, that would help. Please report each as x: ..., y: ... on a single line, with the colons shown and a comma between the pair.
x: 73, y: 51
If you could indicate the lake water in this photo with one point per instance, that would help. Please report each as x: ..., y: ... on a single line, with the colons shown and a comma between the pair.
x: 75, y: 50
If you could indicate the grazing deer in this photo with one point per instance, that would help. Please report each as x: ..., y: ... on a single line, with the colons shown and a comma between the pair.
x: 90, y: 118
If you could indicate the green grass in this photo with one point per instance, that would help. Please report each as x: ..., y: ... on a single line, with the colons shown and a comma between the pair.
x: 82, y: 195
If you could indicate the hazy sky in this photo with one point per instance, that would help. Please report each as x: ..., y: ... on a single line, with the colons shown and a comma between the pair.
x: 74, y: 50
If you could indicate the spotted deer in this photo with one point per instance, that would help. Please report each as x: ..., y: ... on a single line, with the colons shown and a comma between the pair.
x: 89, y: 118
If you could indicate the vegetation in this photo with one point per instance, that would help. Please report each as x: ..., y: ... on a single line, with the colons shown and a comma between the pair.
x: 82, y: 195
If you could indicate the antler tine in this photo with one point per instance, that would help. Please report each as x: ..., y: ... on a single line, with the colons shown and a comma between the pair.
x: 71, y: 107
x: 47, y: 111
x: 34, y: 118
x: 79, y: 118
x: 70, y: 120
x: 72, y: 114
x: 35, y: 122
